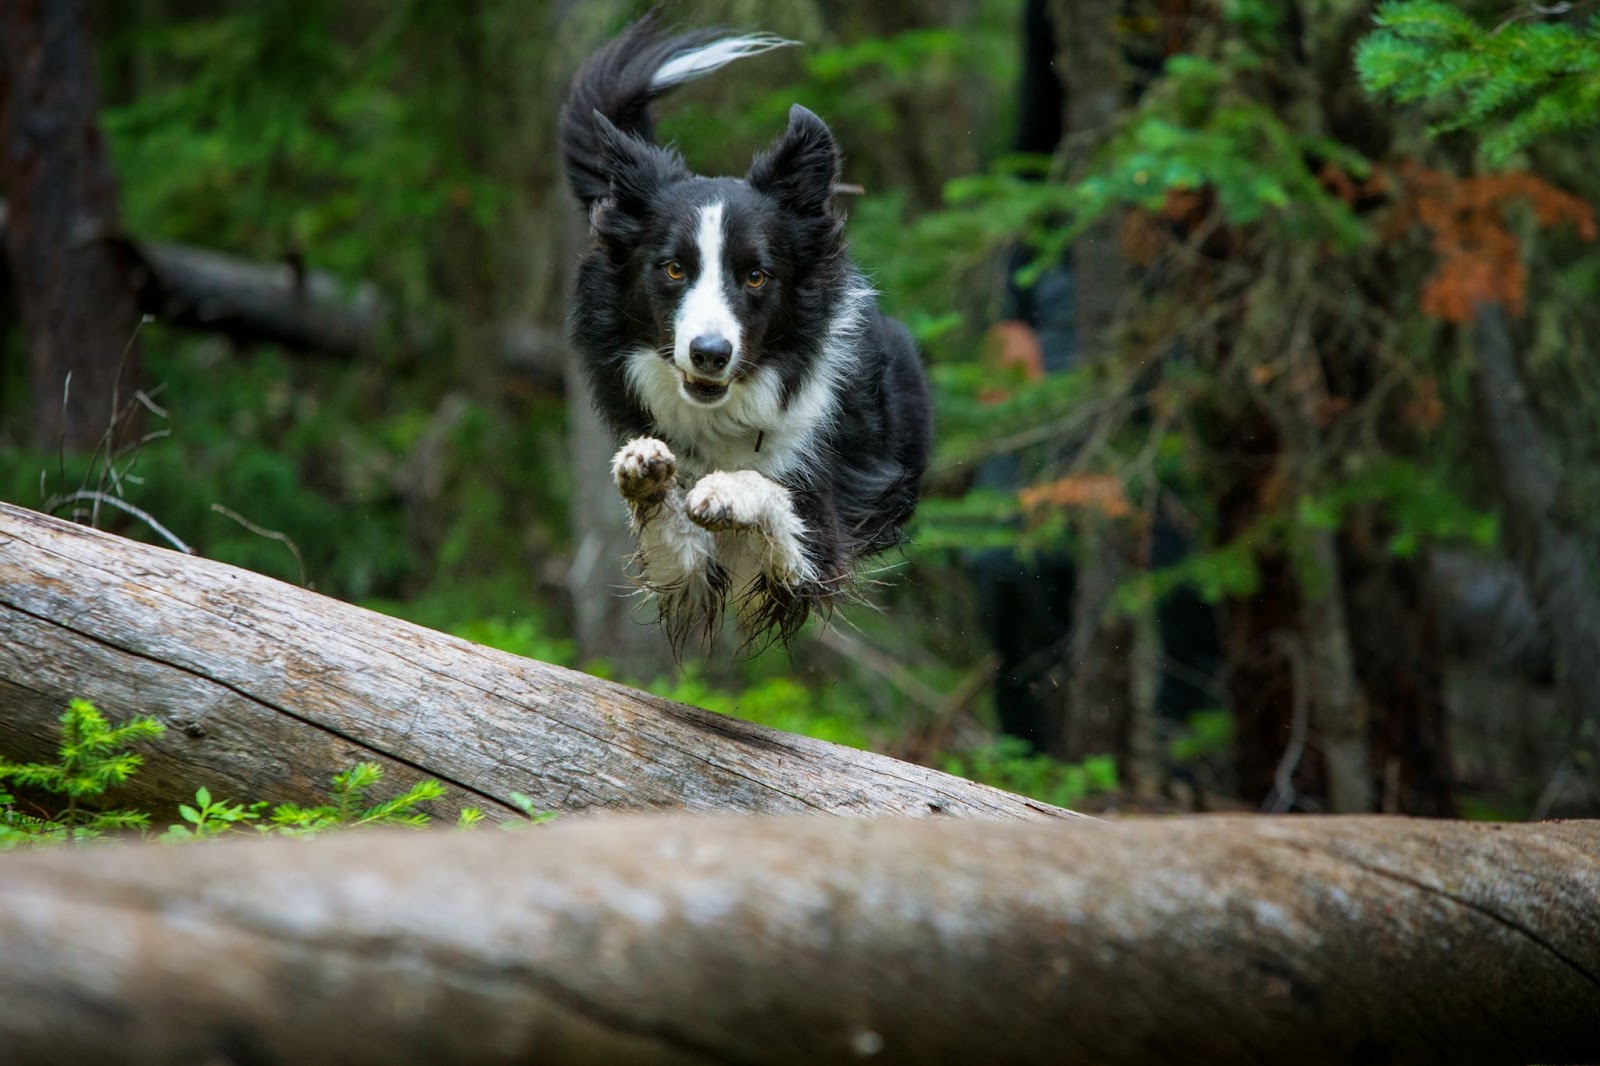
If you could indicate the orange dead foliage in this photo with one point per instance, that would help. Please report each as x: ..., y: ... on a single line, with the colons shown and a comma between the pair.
x: 1100, y: 492
x: 1480, y: 260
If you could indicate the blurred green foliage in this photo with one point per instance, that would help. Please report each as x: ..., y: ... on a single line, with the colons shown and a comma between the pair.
x: 302, y: 125
x: 1008, y: 763
x: 1522, y: 80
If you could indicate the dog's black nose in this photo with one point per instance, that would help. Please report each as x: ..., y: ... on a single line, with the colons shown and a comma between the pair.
x: 710, y: 353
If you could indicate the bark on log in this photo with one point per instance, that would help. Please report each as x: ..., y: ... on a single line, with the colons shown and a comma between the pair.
x: 691, y: 939
x: 268, y: 689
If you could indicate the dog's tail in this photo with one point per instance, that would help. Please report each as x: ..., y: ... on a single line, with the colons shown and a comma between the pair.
x: 622, y: 79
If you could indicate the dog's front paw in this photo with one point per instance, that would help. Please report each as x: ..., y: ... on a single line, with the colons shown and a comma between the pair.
x: 745, y: 501
x: 644, y: 470
x: 726, y: 501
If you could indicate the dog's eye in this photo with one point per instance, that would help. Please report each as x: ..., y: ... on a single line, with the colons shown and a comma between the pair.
x: 756, y: 278
x: 674, y: 269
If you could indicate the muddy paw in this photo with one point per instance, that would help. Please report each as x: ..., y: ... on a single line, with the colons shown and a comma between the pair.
x: 644, y: 470
x: 724, y: 501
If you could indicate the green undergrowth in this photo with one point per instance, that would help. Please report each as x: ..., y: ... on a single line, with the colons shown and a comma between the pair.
x: 65, y: 800
x: 1009, y: 763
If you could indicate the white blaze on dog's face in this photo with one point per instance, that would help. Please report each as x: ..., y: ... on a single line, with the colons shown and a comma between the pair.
x: 707, y: 337
x: 736, y: 294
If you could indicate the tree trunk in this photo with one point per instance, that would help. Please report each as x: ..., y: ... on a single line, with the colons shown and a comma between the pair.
x: 267, y: 690
x: 1399, y: 659
x: 77, y: 306
x: 1552, y: 560
x: 693, y: 940
x: 1340, y: 707
x: 1100, y: 693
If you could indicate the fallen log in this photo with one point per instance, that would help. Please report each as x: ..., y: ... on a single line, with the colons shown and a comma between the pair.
x: 690, y: 939
x: 268, y: 689
x: 280, y: 303
x: 305, y: 310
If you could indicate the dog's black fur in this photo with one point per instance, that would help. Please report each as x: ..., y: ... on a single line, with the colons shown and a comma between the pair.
x: 785, y: 440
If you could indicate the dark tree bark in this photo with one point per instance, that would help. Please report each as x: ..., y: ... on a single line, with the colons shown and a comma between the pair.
x: 1553, y: 561
x: 77, y: 305
x: 1399, y: 658
x: 1267, y: 689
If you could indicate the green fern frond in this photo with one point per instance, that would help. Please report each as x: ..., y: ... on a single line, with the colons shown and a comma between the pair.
x: 1525, y: 82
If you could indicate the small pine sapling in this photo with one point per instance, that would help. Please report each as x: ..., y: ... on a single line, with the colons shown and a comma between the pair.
x: 91, y: 758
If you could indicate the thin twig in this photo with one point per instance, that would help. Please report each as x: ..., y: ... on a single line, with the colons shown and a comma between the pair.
x: 150, y: 404
x: 122, y: 505
x: 61, y: 438
x: 270, y: 534
x: 108, y: 439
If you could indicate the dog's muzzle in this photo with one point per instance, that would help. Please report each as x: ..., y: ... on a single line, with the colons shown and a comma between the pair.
x: 711, y: 356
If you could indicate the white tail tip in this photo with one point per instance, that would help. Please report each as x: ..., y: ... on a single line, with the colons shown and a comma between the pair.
x: 697, y: 63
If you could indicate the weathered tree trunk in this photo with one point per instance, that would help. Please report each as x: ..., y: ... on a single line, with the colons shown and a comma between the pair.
x: 77, y: 306
x: 268, y: 689
x: 681, y: 939
x: 1339, y: 709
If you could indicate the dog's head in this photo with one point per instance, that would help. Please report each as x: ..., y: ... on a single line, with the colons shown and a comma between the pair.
x: 727, y: 273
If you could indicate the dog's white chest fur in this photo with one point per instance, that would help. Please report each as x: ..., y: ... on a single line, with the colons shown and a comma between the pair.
x: 753, y: 428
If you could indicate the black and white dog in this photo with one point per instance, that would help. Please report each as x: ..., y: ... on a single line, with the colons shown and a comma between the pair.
x: 777, y: 424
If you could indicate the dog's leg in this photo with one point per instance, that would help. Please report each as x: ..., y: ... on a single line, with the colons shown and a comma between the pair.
x: 676, y: 557
x: 787, y: 540
x: 744, y: 500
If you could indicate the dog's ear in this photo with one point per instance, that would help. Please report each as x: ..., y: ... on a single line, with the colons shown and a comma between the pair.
x: 800, y: 169
x: 634, y: 167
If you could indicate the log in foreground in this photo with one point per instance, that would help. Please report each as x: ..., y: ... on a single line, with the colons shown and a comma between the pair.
x: 267, y: 690
x: 675, y: 938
